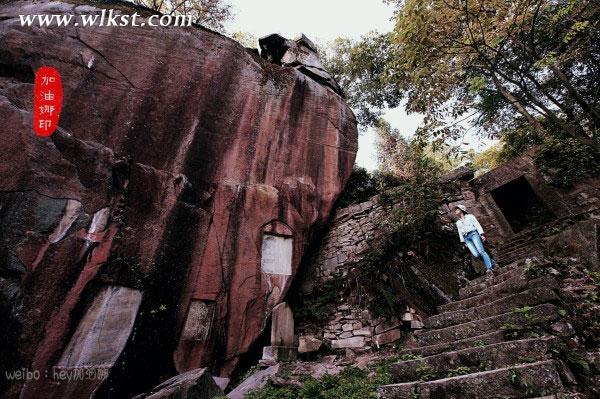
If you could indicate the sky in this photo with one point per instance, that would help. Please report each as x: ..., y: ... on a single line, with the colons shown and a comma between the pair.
x: 323, y: 21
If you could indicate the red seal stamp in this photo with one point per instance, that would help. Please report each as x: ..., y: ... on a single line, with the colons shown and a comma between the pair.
x: 47, y: 102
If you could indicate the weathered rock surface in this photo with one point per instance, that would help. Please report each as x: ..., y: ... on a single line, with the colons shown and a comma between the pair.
x: 194, y: 384
x: 257, y: 380
x: 282, y: 325
x: 186, y: 150
x: 309, y: 343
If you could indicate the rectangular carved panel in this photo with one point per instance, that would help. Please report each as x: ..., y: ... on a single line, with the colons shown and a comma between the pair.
x: 104, y: 330
x: 199, y: 321
x: 277, y: 255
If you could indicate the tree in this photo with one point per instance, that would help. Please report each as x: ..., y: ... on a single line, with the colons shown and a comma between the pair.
x: 208, y: 13
x: 533, y: 58
x: 488, y: 63
x: 403, y: 158
x: 489, y: 158
x: 394, y: 152
x: 360, y: 68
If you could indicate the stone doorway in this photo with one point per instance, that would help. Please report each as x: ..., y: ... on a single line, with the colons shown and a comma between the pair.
x: 521, y: 206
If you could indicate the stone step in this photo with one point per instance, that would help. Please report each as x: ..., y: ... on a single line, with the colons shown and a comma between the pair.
x: 474, y: 359
x: 530, y: 297
x: 516, y: 258
x: 491, y: 294
x: 521, y: 242
x: 518, y: 250
x: 498, y: 272
x: 476, y: 341
x: 522, y: 381
x: 540, y: 313
x: 517, y: 245
x: 472, y: 290
x: 513, y: 257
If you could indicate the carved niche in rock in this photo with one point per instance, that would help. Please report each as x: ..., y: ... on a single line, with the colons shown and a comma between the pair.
x: 199, y: 320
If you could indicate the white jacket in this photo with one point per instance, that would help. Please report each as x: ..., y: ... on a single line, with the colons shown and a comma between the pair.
x: 466, y: 225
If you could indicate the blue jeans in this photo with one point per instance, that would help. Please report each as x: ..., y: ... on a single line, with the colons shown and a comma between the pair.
x: 475, y: 245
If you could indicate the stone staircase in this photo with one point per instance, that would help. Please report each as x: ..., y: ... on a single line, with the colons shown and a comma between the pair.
x: 463, y: 351
x: 520, y: 246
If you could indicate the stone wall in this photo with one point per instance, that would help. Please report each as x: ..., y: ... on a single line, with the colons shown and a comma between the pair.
x: 350, y: 324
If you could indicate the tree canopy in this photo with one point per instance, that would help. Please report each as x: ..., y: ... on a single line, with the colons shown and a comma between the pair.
x: 493, y: 63
x: 211, y: 14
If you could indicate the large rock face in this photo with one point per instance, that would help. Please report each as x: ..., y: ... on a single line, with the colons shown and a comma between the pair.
x: 169, y: 212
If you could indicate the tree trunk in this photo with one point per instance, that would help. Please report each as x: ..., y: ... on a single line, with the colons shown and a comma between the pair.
x: 518, y: 106
x: 576, y: 96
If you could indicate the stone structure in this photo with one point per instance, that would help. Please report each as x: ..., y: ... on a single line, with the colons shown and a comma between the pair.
x: 174, y: 163
x: 516, y: 197
x: 520, y: 211
x: 350, y: 324
x: 282, y: 336
x: 194, y: 384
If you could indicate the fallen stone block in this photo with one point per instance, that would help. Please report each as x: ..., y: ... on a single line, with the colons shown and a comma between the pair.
x: 387, y: 337
x: 255, y: 381
x: 354, y: 342
x: 194, y: 384
x: 309, y: 343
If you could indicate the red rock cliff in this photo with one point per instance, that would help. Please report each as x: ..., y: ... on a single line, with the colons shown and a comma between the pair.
x: 156, y: 229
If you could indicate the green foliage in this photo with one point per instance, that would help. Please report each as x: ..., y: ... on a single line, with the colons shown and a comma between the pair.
x: 567, y: 160
x: 576, y: 362
x: 362, y: 186
x: 409, y: 356
x: 460, y: 370
x: 516, y: 139
x: 211, y: 14
x: 488, y: 159
x: 400, y: 156
x: 412, y: 211
x: 527, y: 330
x: 318, y: 304
x: 352, y: 383
x: 595, y: 276
x: 383, y: 374
x: 462, y: 64
x: 361, y: 69
x: 517, y: 380
x: 426, y: 373
x: 523, y: 310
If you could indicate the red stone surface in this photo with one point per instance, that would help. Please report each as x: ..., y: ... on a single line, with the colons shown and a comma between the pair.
x: 194, y: 144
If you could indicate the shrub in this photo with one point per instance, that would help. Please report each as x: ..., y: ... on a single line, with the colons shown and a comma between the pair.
x: 352, y: 383
x: 412, y: 211
x: 362, y: 186
x: 317, y: 305
x: 567, y: 160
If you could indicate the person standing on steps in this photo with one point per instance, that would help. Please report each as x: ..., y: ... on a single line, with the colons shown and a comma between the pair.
x: 471, y: 233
